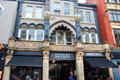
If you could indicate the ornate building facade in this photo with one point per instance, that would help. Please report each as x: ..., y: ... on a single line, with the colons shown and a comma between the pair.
x: 55, y: 37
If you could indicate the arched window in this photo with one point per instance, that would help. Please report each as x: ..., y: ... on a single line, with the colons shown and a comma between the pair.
x: 93, y: 36
x: 23, y: 33
x: 87, y: 37
x: 31, y: 34
x: 62, y: 36
x: 40, y: 34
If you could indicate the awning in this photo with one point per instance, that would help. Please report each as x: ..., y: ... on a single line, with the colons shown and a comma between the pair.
x: 31, y: 61
x: 100, y: 62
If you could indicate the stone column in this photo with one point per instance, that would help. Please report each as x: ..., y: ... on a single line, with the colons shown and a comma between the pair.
x: 79, y: 66
x: 110, y: 69
x: 6, y: 74
x: 107, y: 53
x: 45, y: 65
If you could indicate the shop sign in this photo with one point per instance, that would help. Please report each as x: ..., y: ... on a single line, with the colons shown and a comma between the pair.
x: 62, y: 56
x: 94, y: 54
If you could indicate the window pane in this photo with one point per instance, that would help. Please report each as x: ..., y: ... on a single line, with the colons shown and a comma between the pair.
x: 40, y: 34
x: 53, y: 38
x: 31, y: 34
x: 23, y: 33
x: 81, y: 16
x: 28, y: 13
x: 38, y: 13
x: 88, y: 18
x: 68, y: 37
x: 57, y: 8
x: 93, y: 38
x: 0, y: 11
x: 66, y: 9
x: 87, y: 38
x: 113, y: 1
x: 60, y: 37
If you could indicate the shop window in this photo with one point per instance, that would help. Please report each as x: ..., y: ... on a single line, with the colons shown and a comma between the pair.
x: 117, y: 36
x: 88, y: 17
x: 40, y: 34
x: 57, y: 8
x: 38, y: 13
x: 114, y: 15
x: 66, y: 9
x: 81, y: 16
x: 28, y: 12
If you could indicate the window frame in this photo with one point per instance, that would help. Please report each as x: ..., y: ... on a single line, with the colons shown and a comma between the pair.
x: 117, y: 36
x: 88, y: 17
x: 30, y: 12
x: 39, y: 12
x: 67, y: 9
x: 57, y: 9
x: 114, y: 15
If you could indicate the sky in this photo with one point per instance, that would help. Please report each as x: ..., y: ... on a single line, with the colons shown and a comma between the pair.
x: 82, y: 1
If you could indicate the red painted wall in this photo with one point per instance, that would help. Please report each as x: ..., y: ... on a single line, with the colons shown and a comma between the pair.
x: 104, y: 22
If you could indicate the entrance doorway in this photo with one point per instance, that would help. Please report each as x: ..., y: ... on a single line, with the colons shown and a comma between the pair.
x: 60, y: 70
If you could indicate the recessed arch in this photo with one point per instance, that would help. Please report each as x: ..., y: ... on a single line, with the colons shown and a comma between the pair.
x: 65, y: 24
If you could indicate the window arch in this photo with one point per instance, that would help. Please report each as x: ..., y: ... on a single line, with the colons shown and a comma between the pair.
x: 86, y: 35
x: 94, y: 35
x: 31, y: 32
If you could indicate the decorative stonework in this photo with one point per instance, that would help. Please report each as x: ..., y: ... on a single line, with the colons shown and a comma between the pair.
x: 113, y: 6
x: 45, y: 46
x: 62, y: 47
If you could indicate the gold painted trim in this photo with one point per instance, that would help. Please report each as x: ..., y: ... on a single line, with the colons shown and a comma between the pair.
x: 113, y: 6
x: 87, y: 23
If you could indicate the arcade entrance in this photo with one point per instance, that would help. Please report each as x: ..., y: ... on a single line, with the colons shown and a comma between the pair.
x: 60, y: 70
x: 61, y: 64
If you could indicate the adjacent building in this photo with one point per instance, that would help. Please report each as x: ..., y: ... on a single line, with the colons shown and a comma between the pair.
x: 7, y: 21
x: 55, y: 37
x: 109, y: 20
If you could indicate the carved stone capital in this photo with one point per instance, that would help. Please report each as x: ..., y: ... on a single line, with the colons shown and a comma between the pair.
x: 45, y: 53
x: 79, y: 55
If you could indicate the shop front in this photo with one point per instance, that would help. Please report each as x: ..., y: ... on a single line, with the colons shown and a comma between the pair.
x: 115, y: 56
x: 61, y: 64
x: 96, y: 66
x: 26, y: 66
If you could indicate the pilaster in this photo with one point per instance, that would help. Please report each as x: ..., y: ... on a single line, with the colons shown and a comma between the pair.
x: 46, y: 60
x: 79, y: 61
x: 107, y: 53
x: 6, y: 74
x: 45, y: 65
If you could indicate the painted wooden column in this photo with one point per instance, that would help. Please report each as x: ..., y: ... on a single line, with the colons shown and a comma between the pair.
x: 107, y: 53
x: 79, y: 62
x: 18, y: 17
x: 7, y: 71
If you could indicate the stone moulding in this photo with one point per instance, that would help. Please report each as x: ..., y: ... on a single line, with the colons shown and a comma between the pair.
x: 41, y: 46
